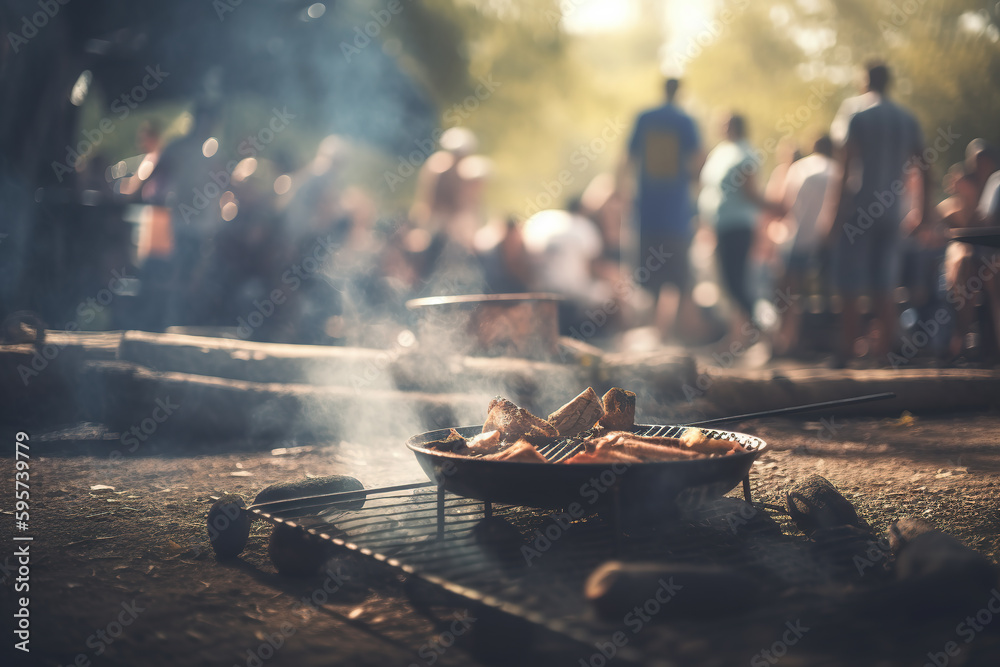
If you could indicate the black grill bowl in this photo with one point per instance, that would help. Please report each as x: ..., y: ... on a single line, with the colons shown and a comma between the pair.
x: 641, y: 488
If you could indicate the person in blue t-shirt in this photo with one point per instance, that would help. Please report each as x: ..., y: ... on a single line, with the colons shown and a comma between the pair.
x: 665, y: 155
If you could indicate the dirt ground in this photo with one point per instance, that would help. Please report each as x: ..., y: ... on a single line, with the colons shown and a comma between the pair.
x: 137, y: 553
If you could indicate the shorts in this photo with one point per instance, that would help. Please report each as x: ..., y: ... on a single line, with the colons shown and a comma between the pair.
x: 867, y: 260
x: 663, y: 260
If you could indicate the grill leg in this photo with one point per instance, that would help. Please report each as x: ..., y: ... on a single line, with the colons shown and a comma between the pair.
x: 440, y: 504
x: 746, y: 489
x: 616, y: 516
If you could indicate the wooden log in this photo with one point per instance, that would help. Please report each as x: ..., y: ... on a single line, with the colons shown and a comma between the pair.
x: 579, y: 415
x: 816, y: 504
x: 678, y: 589
x: 923, y: 551
x: 736, y: 391
x: 206, y: 407
x: 619, y: 409
x: 936, y: 573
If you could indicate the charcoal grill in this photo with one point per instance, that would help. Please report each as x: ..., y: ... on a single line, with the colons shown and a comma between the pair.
x: 429, y: 536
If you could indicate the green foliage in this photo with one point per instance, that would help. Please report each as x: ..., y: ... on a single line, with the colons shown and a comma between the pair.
x: 777, y: 53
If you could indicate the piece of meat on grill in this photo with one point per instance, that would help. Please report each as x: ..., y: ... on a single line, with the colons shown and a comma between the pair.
x: 619, y: 409
x: 516, y: 423
x: 641, y: 448
x: 453, y: 443
x: 606, y: 455
x: 521, y: 451
x: 695, y: 438
x: 486, y: 443
x: 578, y: 415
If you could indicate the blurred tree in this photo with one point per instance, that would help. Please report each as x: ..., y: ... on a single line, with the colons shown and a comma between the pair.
x: 787, y: 64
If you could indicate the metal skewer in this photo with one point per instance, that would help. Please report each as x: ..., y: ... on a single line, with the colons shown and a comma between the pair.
x: 810, y: 407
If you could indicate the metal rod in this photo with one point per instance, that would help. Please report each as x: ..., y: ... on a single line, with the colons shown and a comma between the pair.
x: 795, y: 409
x: 344, y: 495
x: 440, y: 512
x: 746, y: 489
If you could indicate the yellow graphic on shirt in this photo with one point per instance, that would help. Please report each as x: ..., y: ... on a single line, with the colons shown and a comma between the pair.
x: 662, y: 155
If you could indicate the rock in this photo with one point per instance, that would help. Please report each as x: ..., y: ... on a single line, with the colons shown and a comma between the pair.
x: 936, y: 572
x: 815, y: 504
x: 228, y: 526
x: 317, y: 486
x: 294, y: 553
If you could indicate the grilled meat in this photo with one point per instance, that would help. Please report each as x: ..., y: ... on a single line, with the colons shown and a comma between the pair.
x: 516, y: 423
x: 578, y: 415
x: 619, y: 408
x: 522, y: 451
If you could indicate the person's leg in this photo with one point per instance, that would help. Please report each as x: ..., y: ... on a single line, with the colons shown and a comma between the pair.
x: 850, y: 268
x: 884, y: 261
x: 957, y: 270
x: 991, y: 289
x: 733, y: 252
x: 667, y: 311
x: 850, y: 326
x: 791, y: 316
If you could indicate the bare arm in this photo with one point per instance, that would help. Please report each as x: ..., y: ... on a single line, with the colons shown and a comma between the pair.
x: 839, y: 190
x: 751, y: 192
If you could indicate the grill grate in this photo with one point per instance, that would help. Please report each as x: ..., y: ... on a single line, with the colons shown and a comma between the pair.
x: 429, y: 535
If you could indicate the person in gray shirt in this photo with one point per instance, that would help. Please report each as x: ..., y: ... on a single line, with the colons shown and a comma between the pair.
x: 884, y: 142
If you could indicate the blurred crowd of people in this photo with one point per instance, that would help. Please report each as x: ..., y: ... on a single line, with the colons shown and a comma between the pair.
x: 293, y: 253
x: 848, y: 230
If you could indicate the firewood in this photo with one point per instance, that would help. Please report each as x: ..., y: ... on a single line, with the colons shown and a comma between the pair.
x: 578, y: 415
x: 619, y: 406
x: 923, y: 551
x: 816, y: 503
x: 679, y: 589
x: 936, y: 573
